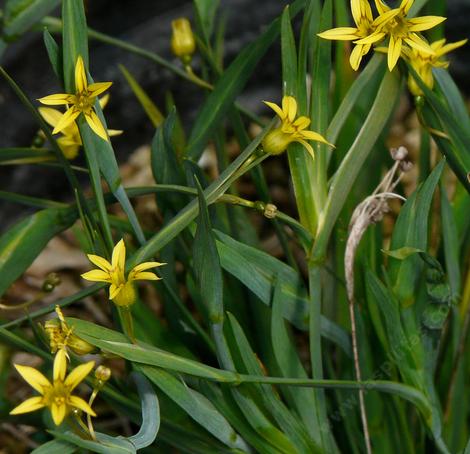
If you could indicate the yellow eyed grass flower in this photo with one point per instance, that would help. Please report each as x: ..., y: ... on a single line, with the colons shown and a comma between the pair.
x: 81, y: 102
x: 183, y: 43
x: 57, y: 396
x: 121, y: 289
x: 423, y: 63
x: 401, y: 30
x: 70, y: 141
x: 292, y: 129
x: 362, y: 15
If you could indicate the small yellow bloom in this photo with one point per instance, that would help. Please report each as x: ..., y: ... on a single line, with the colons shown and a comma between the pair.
x: 82, y: 102
x: 121, y: 290
x: 401, y: 30
x: 62, y: 337
x: 70, y: 141
x: 423, y: 63
x: 362, y: 15
x: 57, y: 396
x: 292, y: 129
x: 183, y: 44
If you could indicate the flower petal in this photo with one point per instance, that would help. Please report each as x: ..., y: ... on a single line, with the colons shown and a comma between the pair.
x: 98, y: 87
x: 449, y: 47
x: 302, y: 122
x: 114, y: 291
x: 78, y: 374
x: 340, y: 33
x: 60, y: 365
x: 97, y: 276
x: 145, y: 276
x: 95, y: 124
x: 100, y: 262
x: 312, y: 135
x: 405, y: 5
x: 66, y: 120
x: 394, y: 51
x: 33, y: 377
x: 104, y: 100
x: 31, y: 404
x: 57, y: 99
x: 416, y: 42
x: 418, y: 24
x: 307, y: 146
x: 52, y: 116
x: 381, y: 7
x: 146, y: 266
x: 78, y: 402
x: 383, y: 19
x: 356, y: 56
x: 114, y: 132
x: 356, y: 10
x: 58, y: 413
x: 289, y: 107
x: 118, y: 260
x: 80, y: 76
x: 276, y: 109
x: 371, y: 39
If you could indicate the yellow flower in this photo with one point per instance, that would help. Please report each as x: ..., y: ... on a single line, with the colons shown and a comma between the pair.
x: 70, y: 141
x: 395, y: 24
x: 82, y: 101
x: 292, y: 129
x: 423, y: 63
x: 121, y: 290
x: 183, y: 44
x: 57, y: 396
x: 362, y: 15
x: 62, y: 337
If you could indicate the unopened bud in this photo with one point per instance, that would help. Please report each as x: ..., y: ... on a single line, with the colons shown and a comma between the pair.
x: 51, y: 282
x: 103, y: 373
x: 276, y: 141
x: 270, y: 211
x: 79, y: 346
x: 183, y: 44
x: 399, y: 154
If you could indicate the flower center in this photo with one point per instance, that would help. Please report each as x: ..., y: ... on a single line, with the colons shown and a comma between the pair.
x: 398, y: 27
x: 84, y: 101
x: 57, y: 394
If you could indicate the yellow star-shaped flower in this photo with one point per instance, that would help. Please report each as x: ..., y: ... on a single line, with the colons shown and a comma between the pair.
x: 292, y: 129
x: 121, y: 289
x: 401, y: 30
x: 423, y: 62
x: 70, y: 141
x: 362, y: 15
x: 57, y: 396
x: 81, y: 102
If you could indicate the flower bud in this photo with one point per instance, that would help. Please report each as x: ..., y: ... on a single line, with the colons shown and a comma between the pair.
x: 51, y: 282
x: 270, y: 211
x: 183, y: 44
x: 103, y: 373
x: 276, y: 141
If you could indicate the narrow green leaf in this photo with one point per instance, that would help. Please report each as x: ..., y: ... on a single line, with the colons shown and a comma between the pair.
x: 23, y: 242
x: 195, y: 405
x: 152, y: 111
x: 54, y: 54
x: 55, y: 447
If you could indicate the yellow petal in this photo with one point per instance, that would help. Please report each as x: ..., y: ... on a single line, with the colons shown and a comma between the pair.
x: 311, y: 135
x: 58, y: 413
x: 60, y: 365
x: 371, y: 39
x: 289, y: 107
x: 66, y: 120
x: 97, y: 276
x: 118, y: 260
x: 78, y: 374
x: 114, y: 291
x: 145, y: 276
x: 80, y: 75
x: 104, y: 100
x: 381, y: 7
x: 450, y: 47
x: 356, y: 10
x: 95, y: 124
x: 98, y: 87
x: 366, y: 11
x: 356, y: 55
x: 302, y: 122
x: 33, y: 377
x: 394, y: 51
x: 307, y: 146
x: 416, y: 42
x: 77, y: 402
x: 31, y: 404
x: 276, y: 109
x: 52, y: 116
x: 146, y: 266
x: 57, y: 99
x: 385, y: 17
x: 340, y: 33
x: 418, y: 24
x: 100, y: 262
x: 114, y: 132
x: 405, y: 5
